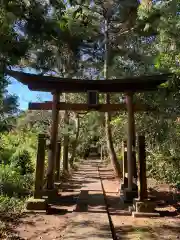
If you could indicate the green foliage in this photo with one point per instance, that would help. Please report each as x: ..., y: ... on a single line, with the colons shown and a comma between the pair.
x: 164, y: 167
x: 17, y: 163
x: 5, y: 155
x: 12, y: 183
x: 8, y: 107
x: 10, y: 205
x: 17, y: 141
x: 21, y: 160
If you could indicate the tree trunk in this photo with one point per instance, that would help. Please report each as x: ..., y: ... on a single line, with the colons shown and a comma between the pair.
x: 74, y: 144
x: 53, y: 142
x: 108, y: 131
x: 110, y: 145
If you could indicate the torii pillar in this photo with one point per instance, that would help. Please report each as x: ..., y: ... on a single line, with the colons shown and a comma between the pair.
x: 53, y: 142
x: 130, y: 192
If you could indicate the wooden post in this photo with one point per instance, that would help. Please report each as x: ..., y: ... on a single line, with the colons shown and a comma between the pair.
x: 65, y: 154
x: 92, y: 98
x: 124, y: 165
x: 66, y: 146
x: 101, y: 149
x: 53, y: 141
x: 58, y: 159
x: 134, y: 145
x: 142, y: 168
x: 129, y: 102
x: 39, y: 176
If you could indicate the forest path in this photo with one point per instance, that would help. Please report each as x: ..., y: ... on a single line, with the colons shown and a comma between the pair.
x: 89, y: 202
x: 90, y: 219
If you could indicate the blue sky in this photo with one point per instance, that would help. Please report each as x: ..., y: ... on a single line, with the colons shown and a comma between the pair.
x: 24, y: 94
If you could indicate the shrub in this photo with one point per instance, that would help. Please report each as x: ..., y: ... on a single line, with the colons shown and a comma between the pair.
x: 164, y: 167
x: 5, y: 155
x: 21, y: 160
x: 10, y: 205
x: 12, y: 183
x: 16, y: 143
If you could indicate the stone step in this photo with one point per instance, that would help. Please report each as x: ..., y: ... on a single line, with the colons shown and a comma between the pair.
x: 145, y: 215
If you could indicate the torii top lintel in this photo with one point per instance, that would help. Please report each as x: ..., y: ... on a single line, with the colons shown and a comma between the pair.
x: 50, y: 83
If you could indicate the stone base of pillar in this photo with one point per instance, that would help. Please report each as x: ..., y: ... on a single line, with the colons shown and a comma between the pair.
x: 129, y: 195
x: 57, y: 185
x: 50, y: 194
x: 145, y: 208
x: 145, y: 215
x: 146, y: 205
x: 37, y: 194
x: 36, y: 204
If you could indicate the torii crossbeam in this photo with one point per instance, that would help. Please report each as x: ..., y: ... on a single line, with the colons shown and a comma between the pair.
x: 86, y: 107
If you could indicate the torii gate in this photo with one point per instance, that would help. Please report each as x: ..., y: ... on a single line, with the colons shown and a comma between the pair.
x: 57, y: 85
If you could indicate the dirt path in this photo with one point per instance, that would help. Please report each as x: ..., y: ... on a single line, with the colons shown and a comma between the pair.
x: 80, y: 212
x: 127, y: 227
x: 90, y: 221
x: 35, y: 226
